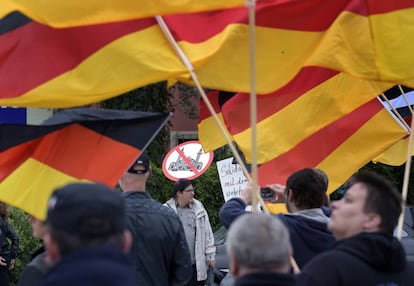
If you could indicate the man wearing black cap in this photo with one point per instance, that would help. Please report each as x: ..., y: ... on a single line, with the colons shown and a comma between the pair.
x: 87, y: 238
x: 159, y: 251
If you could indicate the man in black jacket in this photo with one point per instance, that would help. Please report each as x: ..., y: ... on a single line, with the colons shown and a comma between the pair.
x: 159, y: 251
x: 366, y: 252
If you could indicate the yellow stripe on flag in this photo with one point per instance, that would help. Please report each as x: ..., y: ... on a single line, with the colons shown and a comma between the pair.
x: 312, y: 111
x: 396, y: 155
x: 31, y: 185
x: 371, y: 139
x: 210, y: 135
x: 78, y: 13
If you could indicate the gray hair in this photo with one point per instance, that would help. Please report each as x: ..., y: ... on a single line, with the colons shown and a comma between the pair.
x: 259, y: 241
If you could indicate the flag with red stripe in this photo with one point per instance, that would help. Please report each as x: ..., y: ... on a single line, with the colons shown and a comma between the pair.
x: 209, y: 133
x: 83, y: 144
x: 340, y: 148
x: 314, y: 122
x: 80, y: 65
x: 78, y: 13
x: 315, y: 98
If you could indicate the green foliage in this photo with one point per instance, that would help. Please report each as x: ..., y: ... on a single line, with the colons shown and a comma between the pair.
x: 151, y: 98
x: 156, y: 98
x: 27, y: 243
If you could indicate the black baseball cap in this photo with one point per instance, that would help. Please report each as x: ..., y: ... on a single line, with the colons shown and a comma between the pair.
x: 87, y: 210
x: 142, y: 160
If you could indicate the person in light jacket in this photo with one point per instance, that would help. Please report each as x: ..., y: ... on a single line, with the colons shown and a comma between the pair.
x: 197, y: 229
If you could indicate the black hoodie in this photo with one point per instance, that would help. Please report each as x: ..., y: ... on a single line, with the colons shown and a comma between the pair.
x: 369, y: 259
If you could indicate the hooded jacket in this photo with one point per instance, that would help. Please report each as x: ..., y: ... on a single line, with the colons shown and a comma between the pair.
x: 369, y: 259
x: 204, y: 241
x: 308, y: 229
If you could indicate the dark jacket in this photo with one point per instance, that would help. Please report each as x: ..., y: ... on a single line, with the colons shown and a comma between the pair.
x: 308, y: 229
x: 367, y: 259
x: 100, y: 266
x: 6, y: 234
x: 159, y: 252
x: 265, y: 279
x: 33, y: 273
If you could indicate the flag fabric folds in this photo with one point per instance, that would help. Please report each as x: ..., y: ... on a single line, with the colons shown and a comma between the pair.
x: 340, y: 148
x: 322, y: 119
x: 209, y: 133
x: 79, y: 65
x: 314, y: 99
x: 92, y: 145
x: 78, y: 13
x: 397, y: 154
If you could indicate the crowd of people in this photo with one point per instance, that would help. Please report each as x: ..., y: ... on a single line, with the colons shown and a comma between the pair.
x: 94, y: 235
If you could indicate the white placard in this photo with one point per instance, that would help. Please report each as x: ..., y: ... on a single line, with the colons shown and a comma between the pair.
x: 232, y: 179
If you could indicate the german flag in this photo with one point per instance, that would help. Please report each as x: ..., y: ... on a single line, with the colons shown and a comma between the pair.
x: 79, y: 13
x: 80, y: 144
x: 45, y: 67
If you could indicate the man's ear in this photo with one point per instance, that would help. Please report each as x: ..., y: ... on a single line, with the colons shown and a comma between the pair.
x: 373, y: 222
x: 149, y: 173
x: 126, y: 241
x: 289, y: 195
x: 52, y: 250
x: 233, y: 265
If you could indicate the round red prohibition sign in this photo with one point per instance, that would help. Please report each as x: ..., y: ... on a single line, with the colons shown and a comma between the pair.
x: 186, y: 160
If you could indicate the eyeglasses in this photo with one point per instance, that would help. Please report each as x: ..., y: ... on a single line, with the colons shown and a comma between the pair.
x: 190, y: 190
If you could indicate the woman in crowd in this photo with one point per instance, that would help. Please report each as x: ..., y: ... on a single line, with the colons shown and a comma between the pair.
x: 9, y: 245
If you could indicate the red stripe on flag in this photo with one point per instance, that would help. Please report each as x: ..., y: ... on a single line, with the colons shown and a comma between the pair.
x: 315, y: 148
x: 12, y: 158
x: 38, y: 53
x: 313, y: 15
x: 93, y: 154
x: 237, y: 109
x: 213, y: 98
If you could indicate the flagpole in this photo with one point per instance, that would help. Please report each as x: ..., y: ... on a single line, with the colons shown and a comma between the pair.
x: 200, y: 89
x: 251, y: 5
x: 396, y: 113
x: 406, y: 174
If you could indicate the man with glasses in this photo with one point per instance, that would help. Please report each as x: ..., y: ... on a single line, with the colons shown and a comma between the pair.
x: 366, y: 253
x: 197, y: 229
x: 159, y: 251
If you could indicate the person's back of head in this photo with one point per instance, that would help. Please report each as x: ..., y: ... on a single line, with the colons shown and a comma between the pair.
x: 307, y: 188
x: 4, y: 210
x: 382, y: 199
x: 82, y: 215
x: 258, y: 242
x: 136, y: 176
